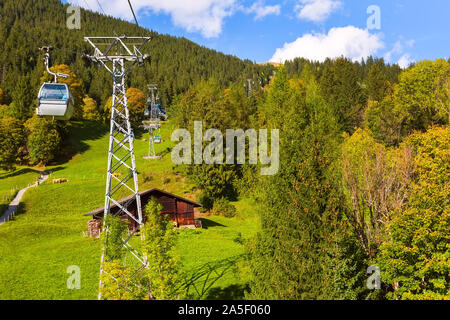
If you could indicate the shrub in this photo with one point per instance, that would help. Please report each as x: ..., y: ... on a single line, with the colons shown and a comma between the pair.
x: 148, y: 177
x: 90, y: 110
x: 206, y: 201
x: 162, y: 276
x: 238, y: 239
x: 44, y: 140
x: 223, y: 207
x: 12, y: 137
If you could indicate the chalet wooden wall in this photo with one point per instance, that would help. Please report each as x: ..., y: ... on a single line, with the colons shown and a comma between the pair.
x: 179, y: 210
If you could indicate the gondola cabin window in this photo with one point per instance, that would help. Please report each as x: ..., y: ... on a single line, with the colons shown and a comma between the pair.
x: 54, y: 92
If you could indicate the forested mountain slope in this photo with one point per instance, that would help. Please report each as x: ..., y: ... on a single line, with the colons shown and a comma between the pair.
x: 176, y: 63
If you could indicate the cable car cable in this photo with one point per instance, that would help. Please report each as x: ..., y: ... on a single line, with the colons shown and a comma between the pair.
x: 131, y: 7
x: 101, y: 8
x: 85, y: 1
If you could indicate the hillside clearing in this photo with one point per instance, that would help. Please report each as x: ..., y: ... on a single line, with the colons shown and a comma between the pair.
x: 36, y: 248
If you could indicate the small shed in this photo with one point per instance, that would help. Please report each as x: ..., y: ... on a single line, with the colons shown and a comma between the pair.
x: 180, y: 210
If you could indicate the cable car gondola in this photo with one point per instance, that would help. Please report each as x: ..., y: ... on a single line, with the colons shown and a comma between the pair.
x: 55, y: 101
x: 147, y: 112
x: 157, y: 139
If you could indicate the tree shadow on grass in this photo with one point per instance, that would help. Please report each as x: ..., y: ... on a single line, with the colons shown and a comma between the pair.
x: 53, y: 170
x: 139, y: 131
x: 17, y: 210
x: 21, y: 209
x: 165, y: 152
x: 232, y: 292
x: 76, y: 133
x: 28, y: 170
x: 199, y: 281
x: 206, y: 223
x: 17, y: 173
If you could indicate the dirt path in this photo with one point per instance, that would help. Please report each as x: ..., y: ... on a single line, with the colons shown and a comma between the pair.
x: 14, y: 205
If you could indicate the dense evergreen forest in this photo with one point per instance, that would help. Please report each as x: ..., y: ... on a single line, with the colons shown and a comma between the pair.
x: 363, y: 180
x: 364, y: 150
x: 176, y: 62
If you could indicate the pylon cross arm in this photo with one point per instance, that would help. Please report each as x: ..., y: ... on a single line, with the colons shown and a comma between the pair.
x: 118, y: 56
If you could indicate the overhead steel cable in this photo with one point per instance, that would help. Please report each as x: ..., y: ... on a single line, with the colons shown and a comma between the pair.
x: 104, y: 13
x: 87, y: 4
x: 131, y: 7
x: 101, y: 8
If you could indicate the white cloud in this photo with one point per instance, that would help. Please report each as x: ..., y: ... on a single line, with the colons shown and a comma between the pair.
x: 405, y: 61
x: 351, y: 42
x: 316, y: 10
x: 204, y: 16
x: 260, y: 10
x: 410, y: 43
x: 398, y: 51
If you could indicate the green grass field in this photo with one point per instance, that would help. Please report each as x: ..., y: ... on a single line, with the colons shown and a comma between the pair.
x: 46, y: 237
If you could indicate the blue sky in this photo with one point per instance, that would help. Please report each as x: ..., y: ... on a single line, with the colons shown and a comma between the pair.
x: 269, y: 30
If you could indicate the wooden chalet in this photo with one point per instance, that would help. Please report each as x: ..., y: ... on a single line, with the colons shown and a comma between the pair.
x: 180, y: 210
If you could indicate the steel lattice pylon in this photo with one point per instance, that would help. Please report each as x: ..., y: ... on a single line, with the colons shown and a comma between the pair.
x: 152, y: 125
x: 118, y: 59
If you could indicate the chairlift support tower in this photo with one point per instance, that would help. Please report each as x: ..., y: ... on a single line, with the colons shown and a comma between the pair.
x: 152, y: 125
x: 119, y: 55
x: 153, y: 88
x: 249, y: 88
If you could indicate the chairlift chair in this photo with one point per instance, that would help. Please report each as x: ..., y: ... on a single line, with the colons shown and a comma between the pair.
x: 147, y: 111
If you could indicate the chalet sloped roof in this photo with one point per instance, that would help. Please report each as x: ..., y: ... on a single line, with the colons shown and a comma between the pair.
x: 101, y: 210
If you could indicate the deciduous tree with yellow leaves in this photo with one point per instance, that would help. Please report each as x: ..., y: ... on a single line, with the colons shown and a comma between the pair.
x: 415, y: 258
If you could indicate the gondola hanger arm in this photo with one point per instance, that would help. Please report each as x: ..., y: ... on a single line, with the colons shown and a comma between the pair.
x: 47, y: 64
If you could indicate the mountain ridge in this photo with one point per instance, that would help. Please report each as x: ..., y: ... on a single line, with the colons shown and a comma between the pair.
x: 176, y: 62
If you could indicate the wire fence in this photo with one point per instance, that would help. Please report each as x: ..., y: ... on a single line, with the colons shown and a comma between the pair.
x: 7, y: 199
x: 9, y: 217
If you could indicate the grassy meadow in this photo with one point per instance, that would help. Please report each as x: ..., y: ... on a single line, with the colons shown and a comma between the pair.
x: 48, y: 234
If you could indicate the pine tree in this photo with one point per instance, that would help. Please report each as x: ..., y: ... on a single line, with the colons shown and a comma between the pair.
x: 12, y: 137
x: 4, y: 98
x: 302, y: 203
x: 378, y: 85
x: 217, y: 109
x: 22, y: 97
x: 343, y: 91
